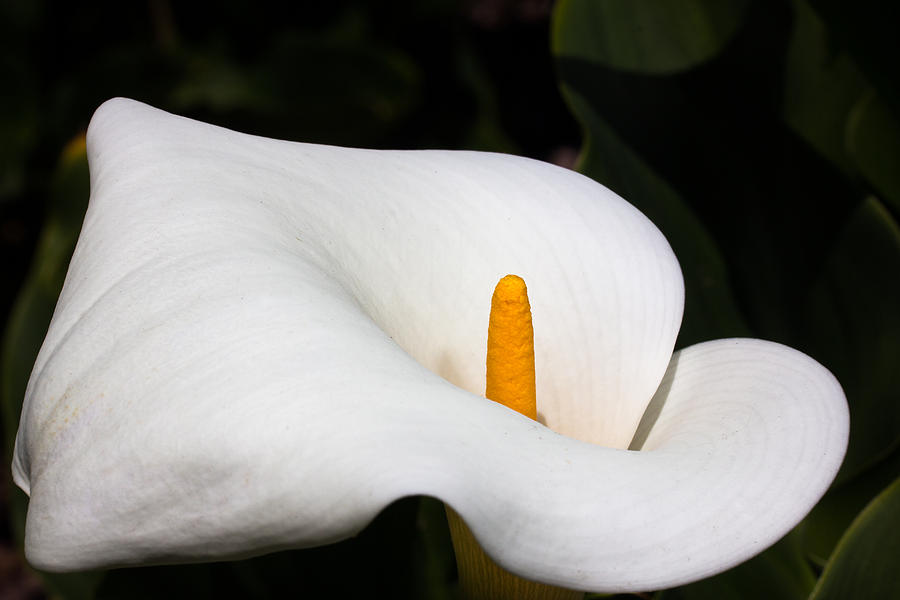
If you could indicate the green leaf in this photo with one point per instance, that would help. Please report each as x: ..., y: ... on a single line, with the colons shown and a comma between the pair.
x: 710, y: 309
x: 650, y: 36
x: 867, y: 559
x: 829, y: 102
x: 820, y: 87
x: 300, y: 85
x: 436, y: 563
x: 854, y: 327
x: 213, y: 82
x: 831, y: 517
x: 779, y: 573
x: 485, y: 131
x: 580, y: 47
x: 873, y: 142
x: 867, y: 31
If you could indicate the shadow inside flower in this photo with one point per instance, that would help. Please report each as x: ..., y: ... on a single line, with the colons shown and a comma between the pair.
x: 655, y: 407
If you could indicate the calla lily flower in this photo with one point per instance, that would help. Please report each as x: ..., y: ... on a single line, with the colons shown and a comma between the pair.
x: 261, y: 344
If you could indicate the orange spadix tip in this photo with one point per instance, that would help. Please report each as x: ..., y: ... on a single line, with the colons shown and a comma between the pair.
x: 511, y: 289
x: 510, y: 351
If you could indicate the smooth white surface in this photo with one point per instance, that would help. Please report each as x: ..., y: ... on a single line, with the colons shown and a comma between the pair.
x: 260, y: 344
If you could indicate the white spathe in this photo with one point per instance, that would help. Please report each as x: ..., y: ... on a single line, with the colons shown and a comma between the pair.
x: 261, y: 344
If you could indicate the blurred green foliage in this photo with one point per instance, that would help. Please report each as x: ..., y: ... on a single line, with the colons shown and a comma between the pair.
x: 762, y: 138
x: 768, y: 155
x: 864, y: 564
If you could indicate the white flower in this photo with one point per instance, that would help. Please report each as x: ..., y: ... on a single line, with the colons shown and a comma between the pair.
x: 261, y: 344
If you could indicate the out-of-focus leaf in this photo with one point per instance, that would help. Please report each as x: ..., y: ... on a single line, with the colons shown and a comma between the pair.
x: 820, y: 87
x: 18, y: 125
x: 867, y: 559
x: 366, y: 87
x: 779, y: 573
x: 339, y: 85
x: 377, y: 563
x: 710, y: 310
x: 485, y: 132
x: 648, y: 37
x: 301, y: 84
x: 28, y: 323
x: 867, y: 30
x: 853, y: 323
x: 212, y: 82
x: 436, y: 565
x: 873, y: 140
x: 830, y: 103
x: 831, y: 517
x: 712, y: 136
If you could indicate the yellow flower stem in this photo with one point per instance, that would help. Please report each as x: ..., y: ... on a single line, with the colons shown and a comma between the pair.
x: 510, y: 381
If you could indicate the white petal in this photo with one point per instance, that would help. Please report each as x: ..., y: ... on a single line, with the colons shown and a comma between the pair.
x: 219, y: 378
x: 417, y: 239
